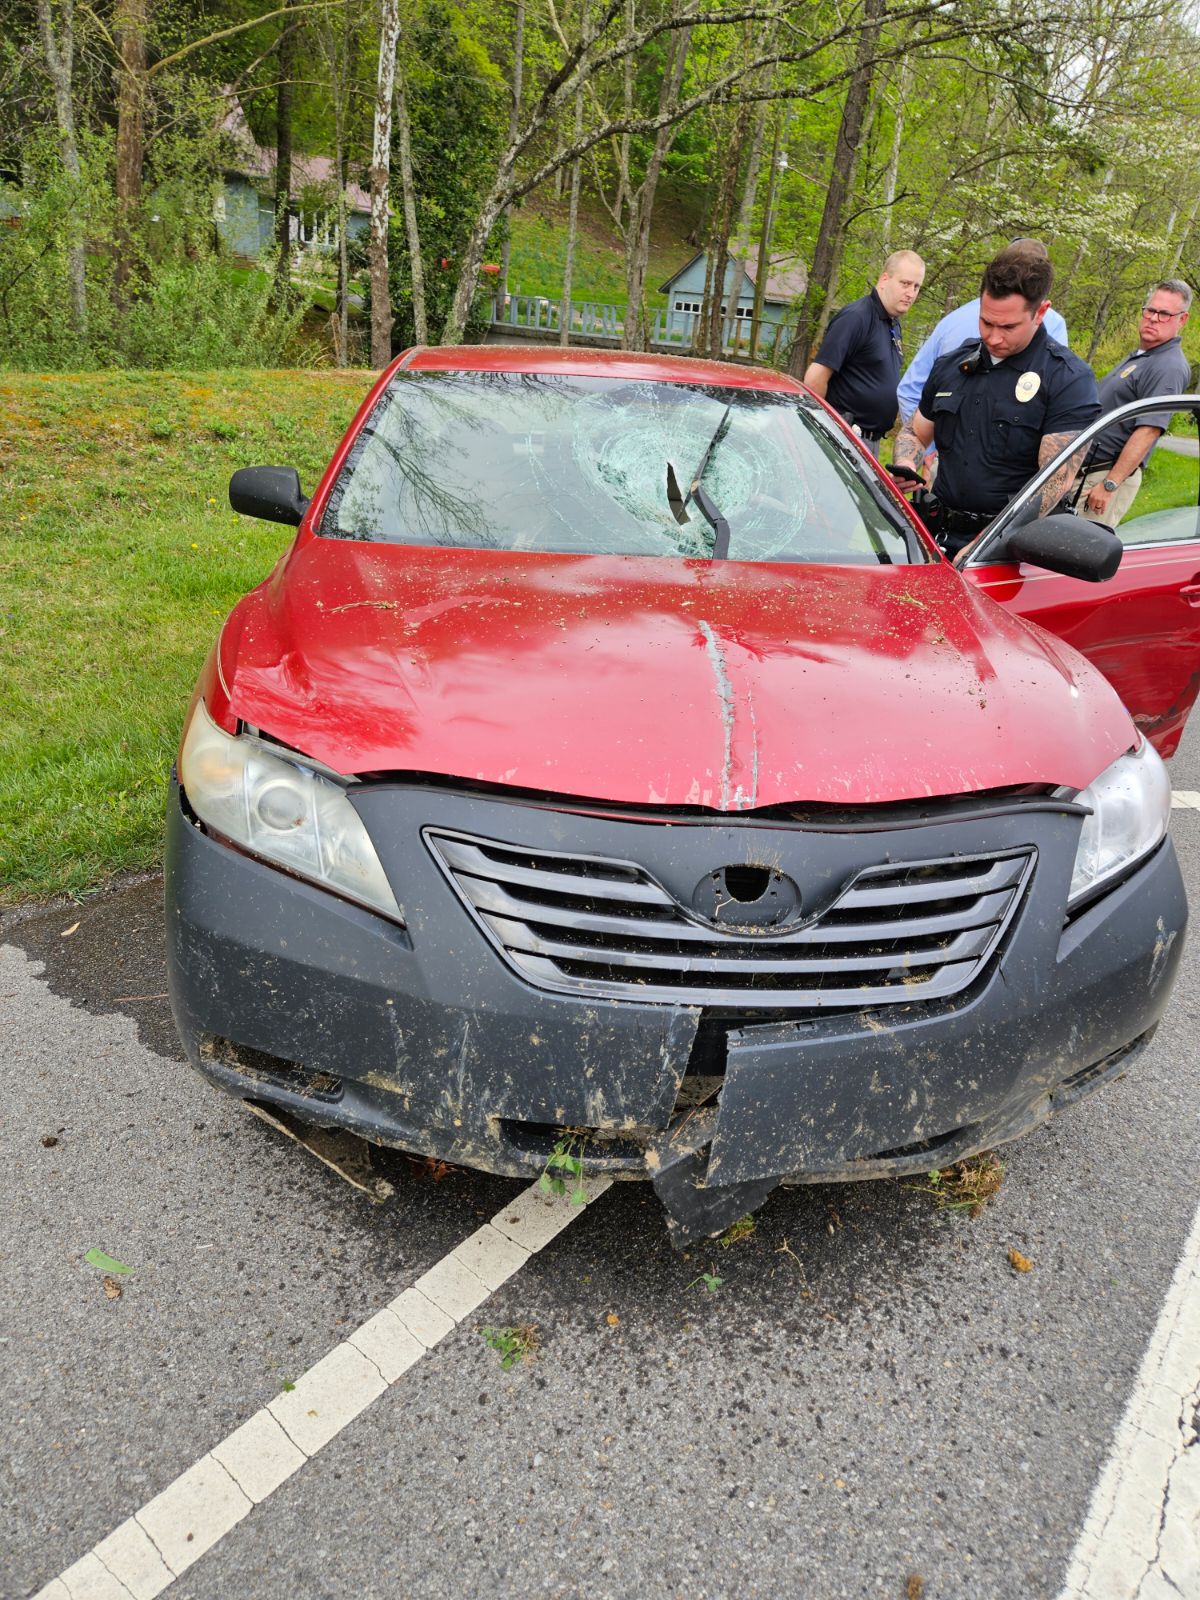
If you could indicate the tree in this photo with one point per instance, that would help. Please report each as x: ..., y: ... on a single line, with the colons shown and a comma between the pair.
x: 381, y: 167
x: 845, y: 154
x: 284, y: 97
x: 58, y: 44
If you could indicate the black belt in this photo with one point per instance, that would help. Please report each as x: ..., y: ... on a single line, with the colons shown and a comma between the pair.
x: 963, y: 521
x: 939, y: 517
x: 952, y: 530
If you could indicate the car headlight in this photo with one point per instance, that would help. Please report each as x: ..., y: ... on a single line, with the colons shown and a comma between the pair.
x: 1131, y: 806
x: 282, y: 811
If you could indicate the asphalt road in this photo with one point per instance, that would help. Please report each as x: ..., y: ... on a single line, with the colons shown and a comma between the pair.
x: 871, y: 1393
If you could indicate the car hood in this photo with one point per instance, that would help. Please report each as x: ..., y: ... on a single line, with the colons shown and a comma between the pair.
x: 661, y: 682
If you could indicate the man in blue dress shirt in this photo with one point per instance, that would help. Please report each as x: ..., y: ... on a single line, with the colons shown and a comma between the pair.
x: 955, y: 328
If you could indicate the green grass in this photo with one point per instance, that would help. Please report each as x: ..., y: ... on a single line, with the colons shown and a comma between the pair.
x: 119, y: 557
x: 539, y: 249
x: 1169, y: 480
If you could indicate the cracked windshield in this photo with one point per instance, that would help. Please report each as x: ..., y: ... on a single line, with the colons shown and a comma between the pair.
x: 512, y: 461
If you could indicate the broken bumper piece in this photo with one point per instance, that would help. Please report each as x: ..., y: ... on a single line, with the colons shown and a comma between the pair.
x: 457, y: 1036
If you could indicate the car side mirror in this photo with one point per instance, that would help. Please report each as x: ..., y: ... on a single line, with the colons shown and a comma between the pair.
x: 1064, y: 543
x: 272, y: 493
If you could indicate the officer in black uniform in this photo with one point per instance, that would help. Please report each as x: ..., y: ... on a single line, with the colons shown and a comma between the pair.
x: 996, y: 409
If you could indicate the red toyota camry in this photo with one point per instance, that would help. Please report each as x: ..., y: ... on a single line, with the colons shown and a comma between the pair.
x: 612, y: 763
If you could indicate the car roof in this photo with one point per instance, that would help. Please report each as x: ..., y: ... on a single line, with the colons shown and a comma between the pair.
x: 598, y: 363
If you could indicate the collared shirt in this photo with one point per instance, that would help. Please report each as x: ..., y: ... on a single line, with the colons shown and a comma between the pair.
x: 955, y: 328
x: 1163, y: 370
x: 989, y: 421
x: 861, y: 348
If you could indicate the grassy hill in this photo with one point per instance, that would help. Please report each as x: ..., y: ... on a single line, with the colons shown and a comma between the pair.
x: 119, y: 556
x: 539, y: 248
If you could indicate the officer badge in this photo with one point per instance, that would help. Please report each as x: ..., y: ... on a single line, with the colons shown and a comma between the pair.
x: 1028, y: 385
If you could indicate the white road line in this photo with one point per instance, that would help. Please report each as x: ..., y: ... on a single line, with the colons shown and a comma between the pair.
x: 1185, y: 799
x: 1141, y: 1538
x: 147, y: 1552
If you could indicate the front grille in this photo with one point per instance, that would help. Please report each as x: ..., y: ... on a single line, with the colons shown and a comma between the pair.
x: 598, y: 926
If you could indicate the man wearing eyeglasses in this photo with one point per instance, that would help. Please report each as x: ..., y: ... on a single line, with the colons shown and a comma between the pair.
x: 1113, y: 473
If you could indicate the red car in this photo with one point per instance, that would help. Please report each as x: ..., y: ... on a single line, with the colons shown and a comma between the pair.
x: 613, y: 764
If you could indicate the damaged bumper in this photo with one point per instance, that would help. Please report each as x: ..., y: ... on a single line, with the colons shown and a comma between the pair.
x: 882, y: 998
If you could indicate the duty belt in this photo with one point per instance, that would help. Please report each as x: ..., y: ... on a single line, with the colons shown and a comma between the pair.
x: 952, y: 530
x: 954, y: 521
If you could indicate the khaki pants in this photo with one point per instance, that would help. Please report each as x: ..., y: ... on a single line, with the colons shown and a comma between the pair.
x: 1119, y: 501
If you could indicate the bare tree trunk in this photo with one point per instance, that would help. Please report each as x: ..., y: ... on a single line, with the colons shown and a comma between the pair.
x: 514, y: 123
x: 340, y: 80
x: 564, y: 315
x: 839, y: 185
x: 712, y: 323
x: 764, y: 237
x: 283, y: 161
x: 903, y: 85
x: 464, y: 293
x: 624, y: 144
x: 130, y: 28
x: 408, y: 190
x: 381, y: 167
x: 839, y: 242
x: 641, y: 211
x: 745, y: 223
x: 1172, y: 268
x: 60, y: 60
x: 336, y: 44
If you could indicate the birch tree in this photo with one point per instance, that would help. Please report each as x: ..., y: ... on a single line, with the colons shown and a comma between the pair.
x: 58, y: 44
x: 381, y: 167
x: 408, y: 190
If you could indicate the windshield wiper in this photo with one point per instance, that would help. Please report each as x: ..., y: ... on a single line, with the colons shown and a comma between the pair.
x: 678, y: 501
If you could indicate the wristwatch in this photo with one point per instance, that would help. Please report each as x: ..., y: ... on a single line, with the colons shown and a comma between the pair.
x: 1110, y: 485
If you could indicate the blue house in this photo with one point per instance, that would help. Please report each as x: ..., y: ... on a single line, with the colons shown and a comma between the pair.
x: 244, y: 210
x: 787, y: 279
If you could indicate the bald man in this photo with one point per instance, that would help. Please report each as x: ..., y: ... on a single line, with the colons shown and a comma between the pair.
x: 857, y: 368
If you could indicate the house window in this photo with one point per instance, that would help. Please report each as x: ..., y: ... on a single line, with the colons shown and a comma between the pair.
x: 687, y: 305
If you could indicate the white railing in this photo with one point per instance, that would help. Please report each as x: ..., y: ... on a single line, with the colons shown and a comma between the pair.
x: 597, y: 320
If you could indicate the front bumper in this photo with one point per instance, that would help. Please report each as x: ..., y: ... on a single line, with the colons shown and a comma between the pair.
x: 426, y: 1039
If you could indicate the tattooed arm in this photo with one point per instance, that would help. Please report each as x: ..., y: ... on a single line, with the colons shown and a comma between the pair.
x: 1057, y: 486
x: 912, y: 441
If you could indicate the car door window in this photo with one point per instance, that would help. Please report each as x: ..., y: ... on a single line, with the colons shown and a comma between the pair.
x: 1141, y: 628
x: 1166, y: 510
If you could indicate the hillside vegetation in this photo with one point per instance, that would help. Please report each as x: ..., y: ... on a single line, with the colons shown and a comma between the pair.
x: 119, y: 556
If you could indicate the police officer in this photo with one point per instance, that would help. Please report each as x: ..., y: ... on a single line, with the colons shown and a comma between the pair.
x: 997, y: 408
x: 857, y: 367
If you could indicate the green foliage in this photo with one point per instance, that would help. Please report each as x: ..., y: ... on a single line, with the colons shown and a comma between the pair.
x: 512, y: 1344
x: 184, y: 305
x: 564, y: 1169
x: 458, y: 111
x: 198, y: 314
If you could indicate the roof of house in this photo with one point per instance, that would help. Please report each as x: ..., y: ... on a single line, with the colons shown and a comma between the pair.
x: 258, y: 161
x: 787, y: 275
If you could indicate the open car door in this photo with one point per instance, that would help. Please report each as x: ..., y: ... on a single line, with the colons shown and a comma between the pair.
x: 1141, y: 628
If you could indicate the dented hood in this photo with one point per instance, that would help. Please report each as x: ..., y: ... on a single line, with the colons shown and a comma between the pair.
x: 650, y: 681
